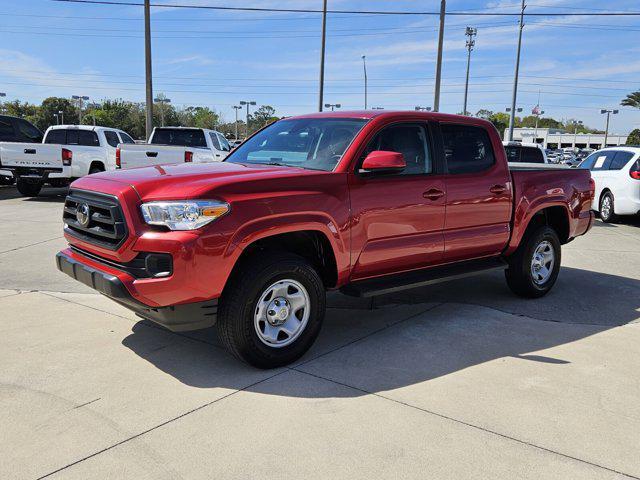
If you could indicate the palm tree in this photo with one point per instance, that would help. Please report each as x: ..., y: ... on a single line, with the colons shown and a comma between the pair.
x: 632, y: 100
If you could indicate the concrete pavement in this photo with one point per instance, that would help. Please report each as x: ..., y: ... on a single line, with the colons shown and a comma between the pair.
x: 460, y: 380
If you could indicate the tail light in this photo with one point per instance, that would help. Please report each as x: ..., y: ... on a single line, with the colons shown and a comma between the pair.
x: 592, y: 188
x: 67, y: 156
x: 635, y: 174
x: 118, y: 162
x: 188, y: 156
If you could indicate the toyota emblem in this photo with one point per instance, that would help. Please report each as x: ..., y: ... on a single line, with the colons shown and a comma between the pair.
x: 83, y: 215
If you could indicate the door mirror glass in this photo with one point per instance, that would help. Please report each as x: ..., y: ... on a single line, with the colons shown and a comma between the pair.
x: 381, y: 161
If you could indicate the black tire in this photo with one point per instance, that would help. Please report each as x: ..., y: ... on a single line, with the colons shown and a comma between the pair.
x: 28, y: 189
x: 609, y: 216
x: 239, y: 304
x: 520, y: 274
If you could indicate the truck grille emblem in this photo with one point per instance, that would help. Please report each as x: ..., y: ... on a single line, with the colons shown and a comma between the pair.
x: 83, y: 215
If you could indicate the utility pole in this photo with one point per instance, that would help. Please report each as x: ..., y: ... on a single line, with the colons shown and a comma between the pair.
x: 247, y: 103
x: 161, y: 99
x: 332, y: 105
x: 236, y: 108
x: 364, y: 65
x: 80, y: 99
x: 512, y: 117
x: 322, y: 47
x: 147, y: 68
x: 606, y: 130
x: 470, y: 32
x: 436, y: 94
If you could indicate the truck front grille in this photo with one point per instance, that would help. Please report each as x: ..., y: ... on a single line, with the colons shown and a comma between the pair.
x: 94, y: 218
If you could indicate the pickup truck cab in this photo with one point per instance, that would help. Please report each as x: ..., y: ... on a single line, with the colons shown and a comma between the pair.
x: 518, y: 152
x: 15, y: 129
x: 175, y: 145
x: 365, y: 202
x: 67, y: 152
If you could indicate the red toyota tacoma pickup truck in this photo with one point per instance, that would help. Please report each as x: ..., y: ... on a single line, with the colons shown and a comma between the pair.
x: 364, y: 202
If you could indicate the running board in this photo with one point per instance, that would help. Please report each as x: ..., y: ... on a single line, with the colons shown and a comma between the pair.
x: 420, y: 278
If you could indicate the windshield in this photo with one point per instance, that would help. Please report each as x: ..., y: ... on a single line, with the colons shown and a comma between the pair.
x: 314, y: 143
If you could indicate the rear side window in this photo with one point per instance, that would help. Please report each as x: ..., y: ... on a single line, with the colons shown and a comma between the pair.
x: 58, y: 137
x: 531, y: 155
x: 29, y: 132
x: 513, y: 153
x: 126, y: 138
x: 88, y: 138
x: 602, y: 161
x: 180, y: 137
x: 467, y: 148
x: 6, y: 131
x: 112, y: 138
x: 214, y: 141
x: 620, y: 160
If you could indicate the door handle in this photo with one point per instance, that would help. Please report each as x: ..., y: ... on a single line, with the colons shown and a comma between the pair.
x: 29, y: 151
x: 152, y: 154
x: 498, y: 189
x: 433, y: 194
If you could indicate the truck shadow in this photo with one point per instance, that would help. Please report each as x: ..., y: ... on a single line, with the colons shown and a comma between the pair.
x: 47, y: 194
x: 402, y: 340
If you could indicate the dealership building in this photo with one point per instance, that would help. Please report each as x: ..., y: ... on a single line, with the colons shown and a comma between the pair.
x: 556, y: 138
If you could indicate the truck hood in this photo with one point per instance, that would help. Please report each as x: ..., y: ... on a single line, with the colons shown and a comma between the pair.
x: 184, y: 181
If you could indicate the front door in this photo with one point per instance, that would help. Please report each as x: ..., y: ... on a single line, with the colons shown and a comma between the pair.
x: 398, y: 218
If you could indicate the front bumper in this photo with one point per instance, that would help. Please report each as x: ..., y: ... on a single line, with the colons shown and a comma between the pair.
x: 182, y: 317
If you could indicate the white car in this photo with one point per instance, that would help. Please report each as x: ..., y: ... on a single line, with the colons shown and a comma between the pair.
x: 175, y: 145
x: 518, y: 152
x: 67, y: 152
x: 616, y: 172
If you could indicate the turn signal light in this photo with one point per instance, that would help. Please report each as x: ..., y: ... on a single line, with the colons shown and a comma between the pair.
x: 118, y: 163
x: 188, y: 156
x: 67, y: 156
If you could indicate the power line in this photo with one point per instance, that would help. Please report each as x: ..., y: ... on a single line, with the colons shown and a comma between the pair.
x: 350, y: 12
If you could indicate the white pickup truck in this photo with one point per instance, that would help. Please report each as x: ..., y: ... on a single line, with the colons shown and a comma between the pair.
x: 175, y: 145
x: 67, y: 152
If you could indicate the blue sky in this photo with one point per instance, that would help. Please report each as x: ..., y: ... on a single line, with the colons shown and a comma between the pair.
x: 579, y: 64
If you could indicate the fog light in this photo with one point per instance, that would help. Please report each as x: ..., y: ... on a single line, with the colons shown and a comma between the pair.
x: 159, y: 265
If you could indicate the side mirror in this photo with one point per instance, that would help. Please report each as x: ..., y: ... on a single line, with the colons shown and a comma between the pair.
x: 381, y: 161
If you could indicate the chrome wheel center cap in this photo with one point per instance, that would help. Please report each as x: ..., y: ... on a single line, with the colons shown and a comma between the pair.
x: 278, y: 311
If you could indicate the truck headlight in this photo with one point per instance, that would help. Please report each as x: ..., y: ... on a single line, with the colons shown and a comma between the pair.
x: 185, y: 214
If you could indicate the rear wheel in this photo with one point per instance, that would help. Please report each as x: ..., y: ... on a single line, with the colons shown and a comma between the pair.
x: 272, y: 310
x: 607, y: 214
x: 28, y: 188
x: 534, y: 267
x: 95, y: 169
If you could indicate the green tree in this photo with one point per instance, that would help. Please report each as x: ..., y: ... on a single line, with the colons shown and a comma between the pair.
x: 264, y: 115
x: 45, y: 117
x: 632, y: 100
x: 634, y: 137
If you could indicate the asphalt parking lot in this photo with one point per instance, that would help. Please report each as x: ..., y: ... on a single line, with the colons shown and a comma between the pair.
x: 461, y: 380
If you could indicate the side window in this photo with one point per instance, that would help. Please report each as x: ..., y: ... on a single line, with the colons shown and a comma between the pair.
x: 620, y: 160
x: 589, y: 161
x: 603, y: 160
x: 467, y: 148
x: 58, y: 137
x: 214, y: 141
x: 88, y: 138
x: 72, y: 137
x: 112, y: 138
x: 532, y: 155
x: 126, y: 138
x: 408, y: 139
x: 29, y: 132
x: 223, y: 143
x: 6, y: 131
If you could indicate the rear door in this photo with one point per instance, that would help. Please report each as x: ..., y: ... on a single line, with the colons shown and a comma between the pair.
x: 598, y: 163
x: 398, y: 218
x: 479, y: 194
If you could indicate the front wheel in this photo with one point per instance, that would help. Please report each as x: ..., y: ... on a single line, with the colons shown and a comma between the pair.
x: 272, y: 310
x: 28, y: 189
x: 607, y: 214
x: 534, y: 267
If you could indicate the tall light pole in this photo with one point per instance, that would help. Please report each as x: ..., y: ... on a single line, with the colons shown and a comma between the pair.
x: 236, y: 108
x: 57, y: 117
x: 364, y: 65
x: 537, y: 112
x: 61, y: 113
x: 247, y: 103
x: 418, y: 108
x: 512, y: 117
x: 469, y: 32
x: 332, y: 105
x: 80, y: 99
x: 436, y: 92
x: 147, y: 68
x: 606, y: 130
x: 575, y: 132
x: 322, y: 47
x: 161, y: 99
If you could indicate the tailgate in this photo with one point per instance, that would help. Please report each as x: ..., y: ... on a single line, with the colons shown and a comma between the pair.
x: 132, y: 156
x: 32, y: 155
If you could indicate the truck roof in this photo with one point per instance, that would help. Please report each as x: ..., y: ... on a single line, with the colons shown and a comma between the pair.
x: 83, y: 127
x: 387, y: 113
